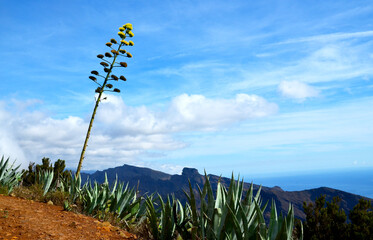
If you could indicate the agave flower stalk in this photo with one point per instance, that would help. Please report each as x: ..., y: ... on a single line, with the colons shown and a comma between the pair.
x: 125, y: 31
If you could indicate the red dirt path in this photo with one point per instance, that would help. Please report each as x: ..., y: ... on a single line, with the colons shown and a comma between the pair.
x: 26, y: 219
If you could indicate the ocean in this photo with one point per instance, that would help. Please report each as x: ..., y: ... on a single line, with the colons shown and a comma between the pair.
x: 357, y: 181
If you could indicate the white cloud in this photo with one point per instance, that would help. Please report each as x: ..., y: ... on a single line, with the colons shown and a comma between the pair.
x: 121, y: 134
x: 327, y: 137
x: 297, y: 90
x: 185, y: 113
x: 10, y: 148
x: 330, y: 37
x: 173, y: 169
x: 197, y: 112
x: 320, y: 63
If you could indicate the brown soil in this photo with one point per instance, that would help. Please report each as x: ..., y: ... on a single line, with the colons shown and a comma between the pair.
x: 26, y: 219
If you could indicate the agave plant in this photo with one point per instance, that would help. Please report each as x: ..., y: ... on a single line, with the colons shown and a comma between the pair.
x: 229, y: 214
x: 279, y: 227
x: 120, y: 200
x: 73, y: 187
x: 168, y: 220
x: 45, y: 179
x: 109, y: 62
x: 9, y: 177
x: 124, y: 201
x: 226, y: 216
x: 95, y: 198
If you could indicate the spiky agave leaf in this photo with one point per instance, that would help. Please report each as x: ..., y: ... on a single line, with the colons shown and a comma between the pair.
x: 167, y: 224
x: 45, y: 178
x: 9, y: 176
x: 152, y: 217
x: 74, y: 187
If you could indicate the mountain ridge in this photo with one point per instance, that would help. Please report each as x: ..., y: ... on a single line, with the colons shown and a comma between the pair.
x: 148, y: 181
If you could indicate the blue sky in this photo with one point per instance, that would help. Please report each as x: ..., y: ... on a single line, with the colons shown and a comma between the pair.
x: 259, y: 88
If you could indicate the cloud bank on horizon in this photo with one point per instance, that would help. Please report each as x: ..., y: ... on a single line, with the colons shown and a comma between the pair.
x: 260, y: 88
x: 122, y: 131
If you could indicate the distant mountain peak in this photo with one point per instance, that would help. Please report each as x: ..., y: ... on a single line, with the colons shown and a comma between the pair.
x: 190, y: 172
x: 277, y: 188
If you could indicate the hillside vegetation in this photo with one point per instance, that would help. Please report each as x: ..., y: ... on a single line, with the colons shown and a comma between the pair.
x: 225, y: 215
x: 210, y: 212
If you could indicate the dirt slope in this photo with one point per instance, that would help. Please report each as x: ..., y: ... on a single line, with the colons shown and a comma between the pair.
x: 26, y: 219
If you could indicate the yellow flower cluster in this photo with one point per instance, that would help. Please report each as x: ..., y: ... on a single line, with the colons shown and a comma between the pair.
x: 128, y: 26
x: 124, y: 42
x: 125, y: 31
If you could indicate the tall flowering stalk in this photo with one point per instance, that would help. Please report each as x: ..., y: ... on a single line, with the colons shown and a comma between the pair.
x: 124, y: 32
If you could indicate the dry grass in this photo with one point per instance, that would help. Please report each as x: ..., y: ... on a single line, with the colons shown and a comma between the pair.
x: 4, y: 190
x: 35, y: 192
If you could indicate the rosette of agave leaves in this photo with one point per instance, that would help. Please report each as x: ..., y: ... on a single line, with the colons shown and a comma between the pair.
x: 110, y: 60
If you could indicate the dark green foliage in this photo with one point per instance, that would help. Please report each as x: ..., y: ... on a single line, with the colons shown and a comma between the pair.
x: 361, y: 227
x: 325, y: 220
x: 29, y: 178
x: 298, y: 229
x: 45, y: 165
x: 60, y: 174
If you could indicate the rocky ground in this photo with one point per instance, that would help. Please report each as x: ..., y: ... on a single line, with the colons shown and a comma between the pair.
x: 26, y: 219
